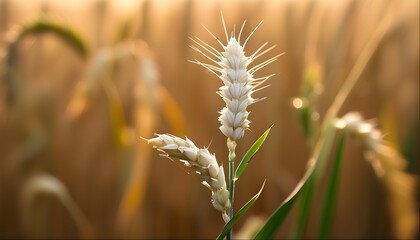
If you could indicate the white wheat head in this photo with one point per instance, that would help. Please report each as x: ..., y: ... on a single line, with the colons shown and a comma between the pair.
x: 232, y: 66
x: 202, y: 161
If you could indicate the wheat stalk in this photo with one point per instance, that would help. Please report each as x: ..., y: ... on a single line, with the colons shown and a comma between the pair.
x: 232, y: 66
x: 389, y: 166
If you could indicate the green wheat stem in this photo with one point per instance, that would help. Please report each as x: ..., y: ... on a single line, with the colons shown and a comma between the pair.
x: 231, y: 146
x: 332, y: 188
x: 304, y: 205
x: 311, y: 182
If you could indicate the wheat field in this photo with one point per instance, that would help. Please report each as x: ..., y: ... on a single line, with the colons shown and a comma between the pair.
x: 72, y: 114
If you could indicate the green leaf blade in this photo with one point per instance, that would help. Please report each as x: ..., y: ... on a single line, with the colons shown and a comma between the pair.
x: 276, y: 219
x: 250, y: 153
x: 313, y: 181
x: 239, y: 214
x: 332, y: 188
x: 270, y: 228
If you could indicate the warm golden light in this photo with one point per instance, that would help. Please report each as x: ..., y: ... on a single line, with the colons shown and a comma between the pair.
x: 297, y: 103
x: 83, y: 81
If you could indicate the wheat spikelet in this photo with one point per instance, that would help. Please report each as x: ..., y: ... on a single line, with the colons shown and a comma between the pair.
x: 202, y: 161
x: 232, y: 66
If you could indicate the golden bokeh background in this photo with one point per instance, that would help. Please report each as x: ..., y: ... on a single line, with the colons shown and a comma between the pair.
x: 72, y: 161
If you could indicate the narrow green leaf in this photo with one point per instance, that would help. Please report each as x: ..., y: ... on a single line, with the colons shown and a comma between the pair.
x: 309, y: 189
x: 305, y: 114
x: 239, y: 214
x: 64, y: 32
x: 270, y: 228
x: 276, y: 219
x: 250, y: 153
x: 303, y: 208
x: 332, y: 188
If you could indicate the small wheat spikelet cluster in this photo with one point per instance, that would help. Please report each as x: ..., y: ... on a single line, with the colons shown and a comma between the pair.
x: 232, y: 67
x: 377, y: 152
x: 371, y: 137
x: 204, y: 163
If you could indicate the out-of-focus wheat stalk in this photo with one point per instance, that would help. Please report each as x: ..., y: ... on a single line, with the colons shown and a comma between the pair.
x: 149, y: 95
x: 37, y: 28
x: 316, y: 164
x: 390, y: 168
x: 45, y: 184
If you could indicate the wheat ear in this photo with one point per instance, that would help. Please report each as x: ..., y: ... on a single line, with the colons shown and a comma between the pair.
x: 232, y: 66
x: 202, y: 161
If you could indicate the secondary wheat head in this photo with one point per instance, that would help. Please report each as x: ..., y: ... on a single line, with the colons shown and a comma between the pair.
x: 202, y: 161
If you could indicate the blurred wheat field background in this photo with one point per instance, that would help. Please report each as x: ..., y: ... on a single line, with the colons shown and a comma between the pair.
x: 73, y: 165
